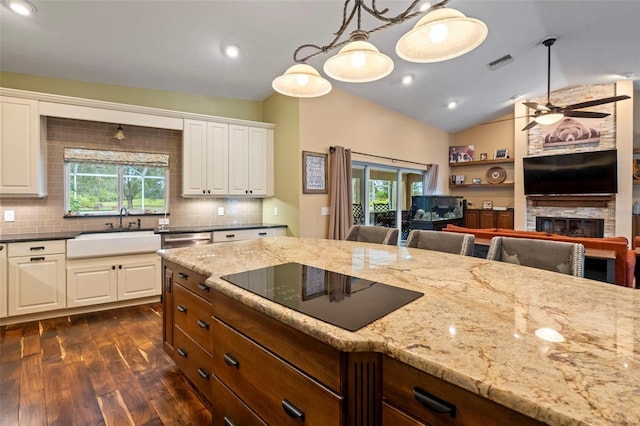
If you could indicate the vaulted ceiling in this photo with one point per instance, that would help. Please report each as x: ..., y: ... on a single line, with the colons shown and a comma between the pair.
x: 178, y: 46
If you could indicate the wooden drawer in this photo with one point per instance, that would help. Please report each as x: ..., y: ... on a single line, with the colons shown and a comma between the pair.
x: 192, y: 315
x: 229, y: 410
x: 391, y: 416
x: 400, y: 380
x: 269, y: 385
x: 37, y: 248
x: 283, y: 340
x: 194, y: 362
x: 192, y: 281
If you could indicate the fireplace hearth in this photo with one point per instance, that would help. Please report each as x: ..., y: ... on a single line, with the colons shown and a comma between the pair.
x: 571, y: 227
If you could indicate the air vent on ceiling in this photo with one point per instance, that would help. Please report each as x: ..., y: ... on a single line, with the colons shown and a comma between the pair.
x: 494, y: 65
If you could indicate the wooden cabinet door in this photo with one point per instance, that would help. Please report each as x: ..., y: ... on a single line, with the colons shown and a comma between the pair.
x: 504, y: 219
x: 486, y: 219
x: 91, y: 282
x: 36, y: 283
x: 472, y: 219
x: 22, y: 168
x: 167, y: 310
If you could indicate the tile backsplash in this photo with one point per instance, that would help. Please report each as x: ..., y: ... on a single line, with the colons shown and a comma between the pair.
x: 47, y: 214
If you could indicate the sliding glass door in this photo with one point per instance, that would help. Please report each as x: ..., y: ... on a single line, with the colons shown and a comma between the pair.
x: 382, y: 195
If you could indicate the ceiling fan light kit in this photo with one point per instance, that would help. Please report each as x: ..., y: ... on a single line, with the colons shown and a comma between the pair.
x: 551, y: 114
x: 440, y: 35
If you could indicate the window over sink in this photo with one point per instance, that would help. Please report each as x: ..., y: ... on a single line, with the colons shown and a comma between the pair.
x: 100, y: 183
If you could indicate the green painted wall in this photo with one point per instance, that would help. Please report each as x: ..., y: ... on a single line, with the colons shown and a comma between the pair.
x: 284, y: 111
x: 199, y: 104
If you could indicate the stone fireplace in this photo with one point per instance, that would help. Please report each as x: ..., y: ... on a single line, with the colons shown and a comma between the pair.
x: 571, y: 226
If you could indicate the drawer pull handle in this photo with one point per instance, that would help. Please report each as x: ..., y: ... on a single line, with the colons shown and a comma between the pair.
x: 434, y: 403
x: 228, y: 422
x: 231, y: 361
x: 203, y: 324
x: 37, y: 259
x: 182, y: 309
x: 292, y: 411
x: 203, y: 373
x: 262, y: 234
x: 182, y: 352
x: 36, y: 248
x: 230, y: 235
x: 183, y: 276
x: 203, y: 287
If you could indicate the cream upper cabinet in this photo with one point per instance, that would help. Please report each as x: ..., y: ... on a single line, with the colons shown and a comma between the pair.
x: 205, y: 158
x: 22, y: 149
x: 250, y: 161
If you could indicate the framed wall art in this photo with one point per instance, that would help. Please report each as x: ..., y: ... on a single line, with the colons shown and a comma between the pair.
x: 314, y: 173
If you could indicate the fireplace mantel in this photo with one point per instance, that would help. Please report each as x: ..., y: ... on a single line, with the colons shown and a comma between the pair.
x: 570, y: 200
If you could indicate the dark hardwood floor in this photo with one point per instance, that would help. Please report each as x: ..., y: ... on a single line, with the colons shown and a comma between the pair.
x: 104, y: 368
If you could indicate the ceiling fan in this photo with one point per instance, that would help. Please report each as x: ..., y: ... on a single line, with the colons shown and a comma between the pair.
x: 549, y: 113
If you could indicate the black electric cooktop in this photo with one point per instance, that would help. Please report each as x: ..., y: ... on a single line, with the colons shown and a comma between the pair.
x: 342, y: 300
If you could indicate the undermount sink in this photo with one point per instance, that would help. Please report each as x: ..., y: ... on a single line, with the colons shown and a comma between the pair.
x: 100, y: 244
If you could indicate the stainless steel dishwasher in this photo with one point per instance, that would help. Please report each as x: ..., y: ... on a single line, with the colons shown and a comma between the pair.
x: 186, y: 239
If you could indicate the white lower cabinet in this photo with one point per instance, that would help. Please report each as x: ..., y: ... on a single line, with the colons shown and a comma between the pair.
x: 36, y: 277
x: 111, y: 279
x: 3, y: 280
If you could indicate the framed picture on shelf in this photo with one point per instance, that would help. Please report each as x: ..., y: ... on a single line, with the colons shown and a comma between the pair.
x: 483, y: 156
x: 460, y: 154
x: 314, y: 173
x: 487, y: 204
x: 501, y: 153
x: 476, y: 180
x: 460, y: 180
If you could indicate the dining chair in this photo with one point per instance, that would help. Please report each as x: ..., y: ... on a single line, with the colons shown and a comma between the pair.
x: 448, y: 242
x: 557, y: 256
x: 373, y: 234
x: 358, y: 214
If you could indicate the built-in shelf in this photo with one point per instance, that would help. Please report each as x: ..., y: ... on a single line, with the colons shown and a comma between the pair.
x: 481, y: 162
x: 570, y: 200
x: 483, y: 185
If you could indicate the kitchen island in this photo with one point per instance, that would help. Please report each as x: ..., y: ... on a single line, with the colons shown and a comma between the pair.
x: 555, y: 348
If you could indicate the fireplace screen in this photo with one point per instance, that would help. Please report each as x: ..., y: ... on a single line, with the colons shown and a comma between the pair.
x: 571, y: 227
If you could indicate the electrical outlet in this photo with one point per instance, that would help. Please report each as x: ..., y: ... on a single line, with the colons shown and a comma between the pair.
x: 220, y: 211
x: 163, y: 221
x: 275, y: 211
x: 9, y: 216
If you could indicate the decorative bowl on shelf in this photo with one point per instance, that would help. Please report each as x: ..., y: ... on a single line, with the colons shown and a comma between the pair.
x: 496, y: 175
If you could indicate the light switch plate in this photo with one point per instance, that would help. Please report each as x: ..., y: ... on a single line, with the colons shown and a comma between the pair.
x: 325, y: 211
x: 9, y: 216
x: 275, y: 211
x: 220, y: 211
x: 163, y: 221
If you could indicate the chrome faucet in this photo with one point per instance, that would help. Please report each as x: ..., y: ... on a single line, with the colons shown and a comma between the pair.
x: 126, y: 213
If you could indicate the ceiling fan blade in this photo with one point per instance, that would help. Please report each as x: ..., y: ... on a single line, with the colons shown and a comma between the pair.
x: 529, y: 126
x: 596, y: 102
x: 536, y: 106
x: 506, y: 119
x: 586, y: 114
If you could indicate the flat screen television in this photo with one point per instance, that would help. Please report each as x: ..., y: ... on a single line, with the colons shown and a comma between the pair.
x: 594, y: 172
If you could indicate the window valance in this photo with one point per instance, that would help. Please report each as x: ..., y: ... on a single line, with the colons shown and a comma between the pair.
x: 79, y: 155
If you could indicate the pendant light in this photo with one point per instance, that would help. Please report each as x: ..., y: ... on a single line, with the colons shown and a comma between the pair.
x: 301, y: 81
x: 440, y: 35
x: 358, y: 62
x: 119, y: 134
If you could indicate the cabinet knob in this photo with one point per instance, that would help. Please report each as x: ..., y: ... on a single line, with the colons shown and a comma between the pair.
x: 208, y: 191
x: 113, y: 267
x: 203, y: 191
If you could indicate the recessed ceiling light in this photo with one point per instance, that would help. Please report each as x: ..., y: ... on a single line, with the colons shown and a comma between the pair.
x: 626, y: 75
x: 232, y: 51
x: 407, y: 79
x: 22, y: 7
x: 452, y: 104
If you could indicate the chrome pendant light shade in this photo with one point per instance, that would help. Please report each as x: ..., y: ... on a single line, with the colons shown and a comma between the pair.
x: 440, y: 35
x: 301, y: 81
x: 358, y: 62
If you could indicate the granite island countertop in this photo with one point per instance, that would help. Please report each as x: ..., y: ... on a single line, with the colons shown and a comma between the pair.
x: 474, y: 327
